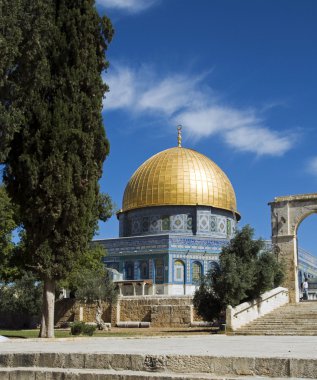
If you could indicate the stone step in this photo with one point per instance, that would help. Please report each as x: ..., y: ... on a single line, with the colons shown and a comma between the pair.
x: 287, y: 322
x: 291, y: 315
x: 300, y: 309
x: 277, y: 328
x: 267, y: 327
x: 287, y: 318
x: 148, y: 365
x: 31, y: 373
x: 290, y: 324
x: 275, y: 333
x: 298, y: 331
x: 286, y: 325
x: 296, y: 311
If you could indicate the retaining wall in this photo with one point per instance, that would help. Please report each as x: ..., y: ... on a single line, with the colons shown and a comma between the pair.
x: 160, y: 311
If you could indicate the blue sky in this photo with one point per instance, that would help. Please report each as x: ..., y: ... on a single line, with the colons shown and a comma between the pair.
x: 240, y: 76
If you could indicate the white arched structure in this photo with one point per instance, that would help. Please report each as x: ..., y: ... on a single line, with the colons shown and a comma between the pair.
x: 286, y: 215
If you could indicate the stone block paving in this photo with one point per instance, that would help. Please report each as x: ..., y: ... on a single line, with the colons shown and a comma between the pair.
x: 194, y: 357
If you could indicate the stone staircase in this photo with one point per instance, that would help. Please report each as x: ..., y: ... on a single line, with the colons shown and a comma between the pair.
x: 291, y: 319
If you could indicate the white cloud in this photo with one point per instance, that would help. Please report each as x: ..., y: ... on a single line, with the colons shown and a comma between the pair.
x: 312, y: 166
x: 131, y: 6
x: 214, y: 119
x: 258, y: 140
x: 170, y: 95
x: 184, y: 99
x: 122, y: 89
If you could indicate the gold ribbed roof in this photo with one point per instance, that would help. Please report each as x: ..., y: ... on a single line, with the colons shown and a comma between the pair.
x: 179, y: 176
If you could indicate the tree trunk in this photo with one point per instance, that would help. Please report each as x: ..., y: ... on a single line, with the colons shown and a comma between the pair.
x: 99, y: 311
x: 47, y: 321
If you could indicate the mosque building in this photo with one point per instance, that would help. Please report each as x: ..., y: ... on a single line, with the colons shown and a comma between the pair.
x: 179, y: 209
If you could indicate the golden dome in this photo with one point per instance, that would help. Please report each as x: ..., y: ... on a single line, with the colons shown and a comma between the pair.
x: 179, y: 176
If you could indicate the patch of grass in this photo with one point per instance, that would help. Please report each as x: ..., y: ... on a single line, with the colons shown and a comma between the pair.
x: 34, y: 333
x: 115, y: 332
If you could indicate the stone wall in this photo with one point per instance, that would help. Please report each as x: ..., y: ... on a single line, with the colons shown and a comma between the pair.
x: 69, y: 310
x: 173, y: 316
x: 158, y: 310
x: 65, y: 310
x: 138, y: 309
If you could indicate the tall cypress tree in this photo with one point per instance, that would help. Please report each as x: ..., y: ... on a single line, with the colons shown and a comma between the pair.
x: 55, y: 159
x: 10, y: 40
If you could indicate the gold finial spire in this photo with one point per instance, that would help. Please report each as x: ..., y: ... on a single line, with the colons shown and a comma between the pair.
x: 179, y: 136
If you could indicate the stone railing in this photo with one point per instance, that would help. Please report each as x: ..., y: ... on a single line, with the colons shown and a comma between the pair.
x: 248, y: 311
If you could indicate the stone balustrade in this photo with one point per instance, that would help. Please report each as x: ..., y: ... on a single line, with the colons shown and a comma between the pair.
x: 248, y: 311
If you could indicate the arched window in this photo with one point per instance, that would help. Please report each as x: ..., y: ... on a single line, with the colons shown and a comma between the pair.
x: 179, y: 271
x: 197, y: 272
x: 213, y: 266
x: 144, y: 270
x: 129, y: 270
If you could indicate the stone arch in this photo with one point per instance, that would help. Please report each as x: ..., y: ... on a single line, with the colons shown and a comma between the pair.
x: 287, y: 213
x: 179, y: 271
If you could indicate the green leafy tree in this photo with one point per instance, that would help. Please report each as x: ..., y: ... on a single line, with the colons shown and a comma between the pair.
x: 90, y: 260
x: 92, y: 283
x: 245, y: 271
x: 269, y: 273
x: 7, y: 226
x: 22, y: 297
x: 54, y: 160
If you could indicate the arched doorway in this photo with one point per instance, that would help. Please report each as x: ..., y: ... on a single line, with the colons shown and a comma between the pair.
x: 179, y: 274
x: 287, y: 213
x: 307, y: 255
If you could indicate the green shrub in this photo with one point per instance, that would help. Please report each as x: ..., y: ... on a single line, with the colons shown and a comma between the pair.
x: 88, y: 330
x: 77, y: 328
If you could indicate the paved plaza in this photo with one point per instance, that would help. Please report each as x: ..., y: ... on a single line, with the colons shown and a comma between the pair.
x: 213, y: 345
